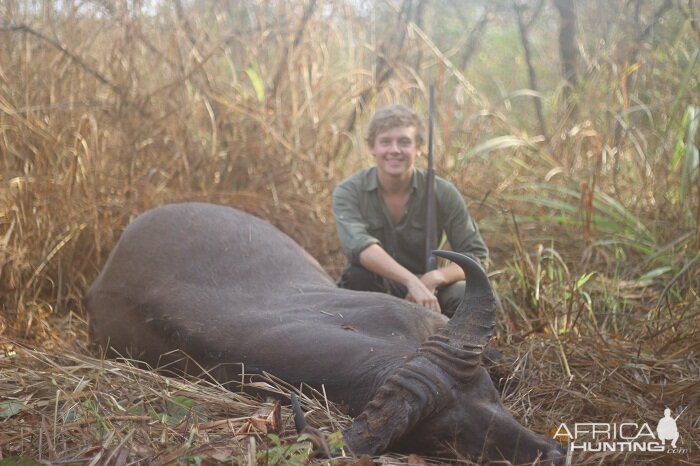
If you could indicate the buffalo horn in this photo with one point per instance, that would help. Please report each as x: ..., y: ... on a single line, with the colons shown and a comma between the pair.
x: 457, y: 347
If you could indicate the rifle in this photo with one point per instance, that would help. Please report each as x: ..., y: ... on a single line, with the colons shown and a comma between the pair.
x: 430, y: 206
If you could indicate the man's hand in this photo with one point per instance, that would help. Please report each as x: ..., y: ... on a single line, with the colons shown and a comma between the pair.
x: 434, y: 279
x: 420, y: 294
x: 431, y: 281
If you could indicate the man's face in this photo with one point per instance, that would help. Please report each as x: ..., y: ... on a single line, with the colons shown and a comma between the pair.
x: 395, y: 151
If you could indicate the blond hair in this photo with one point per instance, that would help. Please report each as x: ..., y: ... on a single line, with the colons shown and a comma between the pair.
x: 394, y: 116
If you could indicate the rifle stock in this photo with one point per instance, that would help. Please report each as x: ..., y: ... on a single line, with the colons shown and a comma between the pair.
x: 430, y: 207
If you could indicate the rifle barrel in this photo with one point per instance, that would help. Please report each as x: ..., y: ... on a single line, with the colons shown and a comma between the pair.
x: 430, y: 214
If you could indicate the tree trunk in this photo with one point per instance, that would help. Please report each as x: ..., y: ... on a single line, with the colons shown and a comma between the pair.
x: 523, y: 27
x: 568, y: 51
x: 473, y: 40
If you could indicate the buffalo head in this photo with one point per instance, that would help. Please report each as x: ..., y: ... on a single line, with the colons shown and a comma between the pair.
x: 443, y: 400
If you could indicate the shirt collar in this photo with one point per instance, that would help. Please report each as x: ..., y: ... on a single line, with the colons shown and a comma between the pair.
x: 414, y: 180
x: 370, y: 182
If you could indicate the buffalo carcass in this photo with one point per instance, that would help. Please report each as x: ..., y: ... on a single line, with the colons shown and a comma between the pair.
x: 230, y: 290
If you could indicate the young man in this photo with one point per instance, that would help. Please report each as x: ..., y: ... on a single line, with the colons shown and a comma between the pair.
x: 380, y: 217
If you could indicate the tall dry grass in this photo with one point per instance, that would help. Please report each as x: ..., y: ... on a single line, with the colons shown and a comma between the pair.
x: 110, y: 108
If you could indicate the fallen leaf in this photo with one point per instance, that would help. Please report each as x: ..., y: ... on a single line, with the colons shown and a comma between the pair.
x: 10, y: 407
x: 266, y: 420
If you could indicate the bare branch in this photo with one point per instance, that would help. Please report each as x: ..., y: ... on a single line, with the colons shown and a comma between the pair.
x: 79, y: 61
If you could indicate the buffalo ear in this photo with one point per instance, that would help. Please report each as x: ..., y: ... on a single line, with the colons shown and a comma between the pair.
x: 414, y: 391
x: 383, y: 423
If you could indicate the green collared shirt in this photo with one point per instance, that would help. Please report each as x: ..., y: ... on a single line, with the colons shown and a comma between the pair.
x: 362, y: 219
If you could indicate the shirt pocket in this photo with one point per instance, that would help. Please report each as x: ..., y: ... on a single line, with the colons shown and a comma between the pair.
x: 375, y: 227
x: 414, y: 238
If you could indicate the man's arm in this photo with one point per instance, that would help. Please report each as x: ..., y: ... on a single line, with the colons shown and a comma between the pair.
x: 351, y: 227
x: 462, y: 232
x: 442, y: 276
x: 375, y: 259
